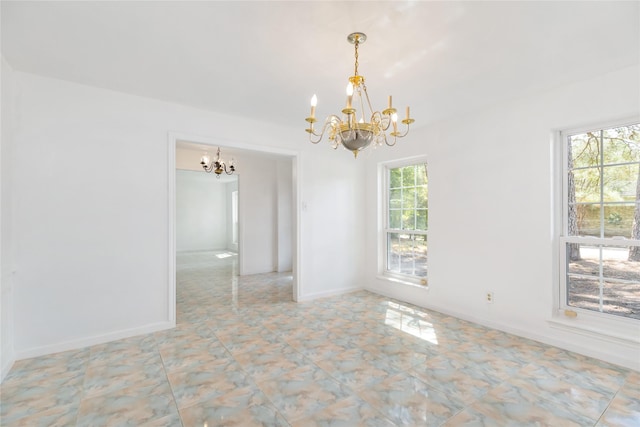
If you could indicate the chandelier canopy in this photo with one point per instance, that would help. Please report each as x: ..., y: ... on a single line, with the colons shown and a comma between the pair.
x: 360, y: 124
x: 218, y: 166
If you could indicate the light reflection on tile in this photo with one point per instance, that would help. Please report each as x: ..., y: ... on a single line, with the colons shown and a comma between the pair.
x: 624, y: 410
x: 511, y: 406
x: 127, y: 407
x: 406, y: 400
x: 208, y: 382
x: 349, y: 412
x: 303, y: 391
x: 243, y: 353
x: 240, y: 407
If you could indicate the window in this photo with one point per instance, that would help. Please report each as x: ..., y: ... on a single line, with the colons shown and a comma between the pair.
x: 406, y: 218
x: 600, y: 243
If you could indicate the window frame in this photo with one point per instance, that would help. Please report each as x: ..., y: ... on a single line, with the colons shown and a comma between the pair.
x: 384, y: 230
x: 605, y: 325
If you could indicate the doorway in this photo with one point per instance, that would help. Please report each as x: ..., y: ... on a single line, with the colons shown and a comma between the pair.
x: 264, y: 219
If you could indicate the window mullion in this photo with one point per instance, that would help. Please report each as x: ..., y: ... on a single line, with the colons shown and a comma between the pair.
x: 601, y: 282
x: 601, y: 160
x: 600, y: 266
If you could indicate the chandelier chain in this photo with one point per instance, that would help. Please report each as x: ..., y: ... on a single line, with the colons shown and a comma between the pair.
x: 356, y: 43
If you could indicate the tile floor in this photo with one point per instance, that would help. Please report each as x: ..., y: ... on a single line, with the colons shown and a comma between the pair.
x: 243, y: 355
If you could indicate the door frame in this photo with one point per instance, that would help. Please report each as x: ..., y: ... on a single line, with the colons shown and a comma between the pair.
x: 173, y: 139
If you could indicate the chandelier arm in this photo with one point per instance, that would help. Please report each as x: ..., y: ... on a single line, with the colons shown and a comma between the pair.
x: 385, y: 121
x: 405, y: 132
x: 390, y: 144
x: 380, y: 120
x: 329, y: 121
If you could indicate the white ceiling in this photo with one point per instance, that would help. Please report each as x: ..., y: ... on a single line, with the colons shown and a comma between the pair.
x: 265, y: 59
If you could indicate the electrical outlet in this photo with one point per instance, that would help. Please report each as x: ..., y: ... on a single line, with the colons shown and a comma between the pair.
x: 489, y: 297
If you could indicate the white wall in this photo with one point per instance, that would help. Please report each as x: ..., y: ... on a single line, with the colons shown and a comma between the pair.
x: 257, y: 189
x: 201, y: 212
x: 7, y: 122
x: 230, y: 188
x: 284, y: 215
x: 491, y: 210
x: 91, y: 234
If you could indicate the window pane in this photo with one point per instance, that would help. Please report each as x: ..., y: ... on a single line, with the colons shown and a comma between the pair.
x: 583, y: 276
x: 407, y: 254
x: 616, y: 263
x: 621, y: 287
x: 395, y: 178
x: 584, y: 292
x: 587, y: 220
x: 420, y: 255
x: 421, y: 197
x: 587, y: 185
x: 421, y: 174
x: 409, y: 176
x: 621, y: 145
x: 610, y: 268
x: 408, y: 198
x: 393, y: 251
x: 408, y: 219
x: 621, y: 299
x: 421, y: 219
x: 618, y: 220
x: 395, y: 199
x: 620, y: 183
x: 395, y: 219
x: 584, y: 150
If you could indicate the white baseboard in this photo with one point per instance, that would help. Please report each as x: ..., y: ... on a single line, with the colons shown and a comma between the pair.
x: 7, y: 356
x: 545, y: 339
x: 5, y: 368
x: 332, y: 293
x: 89, y: 341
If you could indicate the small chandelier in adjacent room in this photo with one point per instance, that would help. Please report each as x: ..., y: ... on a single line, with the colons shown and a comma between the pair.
x: 360, y: 124
x: 218, y: 166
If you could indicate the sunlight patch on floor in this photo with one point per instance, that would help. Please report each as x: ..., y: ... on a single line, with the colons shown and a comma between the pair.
x: 410, y: 321
x: 225, y: 255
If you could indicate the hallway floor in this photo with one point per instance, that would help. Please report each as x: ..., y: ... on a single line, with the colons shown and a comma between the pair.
x: 243, y: 354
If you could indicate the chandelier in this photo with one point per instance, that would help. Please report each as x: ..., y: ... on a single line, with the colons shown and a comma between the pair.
x: 360, y: 124
x: 218, y: 166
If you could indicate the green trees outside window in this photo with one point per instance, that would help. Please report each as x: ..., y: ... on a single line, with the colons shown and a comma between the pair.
x: 602, y: 239
x: 407, y: 220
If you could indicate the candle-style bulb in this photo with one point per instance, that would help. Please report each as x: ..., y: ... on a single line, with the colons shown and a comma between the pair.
x: 349, y: 94
x: 349, y: 89
x: 314, y: 102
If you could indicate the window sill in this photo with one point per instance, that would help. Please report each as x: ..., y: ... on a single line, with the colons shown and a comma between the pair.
x: 418, y: 283
x: 610, y: 330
